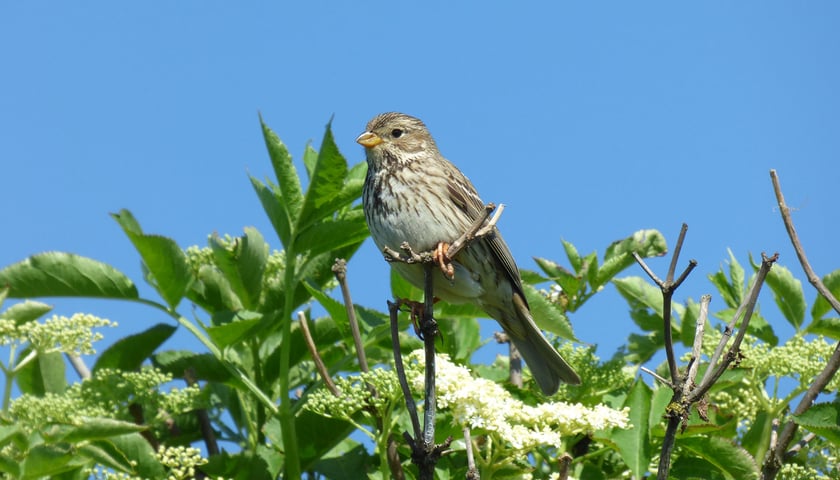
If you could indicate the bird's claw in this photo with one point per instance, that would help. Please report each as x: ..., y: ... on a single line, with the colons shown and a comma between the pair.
x: 443, y: 260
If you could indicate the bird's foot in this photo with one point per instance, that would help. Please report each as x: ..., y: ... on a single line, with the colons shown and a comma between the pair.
x: 444, y: 262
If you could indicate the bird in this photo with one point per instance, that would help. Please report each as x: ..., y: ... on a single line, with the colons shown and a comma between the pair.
x: 413, y: 194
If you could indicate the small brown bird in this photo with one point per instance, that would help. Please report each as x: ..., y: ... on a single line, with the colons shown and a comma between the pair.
x: 413, y: 194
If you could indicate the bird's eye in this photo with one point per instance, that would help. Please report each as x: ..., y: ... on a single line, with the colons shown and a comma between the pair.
x: 397, y: 133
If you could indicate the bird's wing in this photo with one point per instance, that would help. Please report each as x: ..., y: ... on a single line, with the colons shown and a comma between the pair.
x: 463, y: 194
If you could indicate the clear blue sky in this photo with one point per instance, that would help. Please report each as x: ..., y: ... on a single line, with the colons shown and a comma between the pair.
x: 588, y: 120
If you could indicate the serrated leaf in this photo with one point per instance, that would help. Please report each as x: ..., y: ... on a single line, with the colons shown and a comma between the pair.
x: 547, y: 316
x: 331, y: 234
x: 324, y: 194
x: 243, y: 264
x: 26, y: 312
x: 57, y: 274
x: 275, y: 208
x: 619, y: 255
x: 128, y: 353
x: 827, y: 326
x: 726, y: 456
x: 137, y: 450
x: 821, y: 305
x: 642, y: 347
x: 285, y: 171
x: 100, y: 428
x: 46, y: 460
x: 213, y: 291
x: 820, y: 415
x: 634, y: 442
x: 234, y: 328
x: 163, y: 258
x: 788, y: 294
x: 639, y: 292
x: 573, y: 255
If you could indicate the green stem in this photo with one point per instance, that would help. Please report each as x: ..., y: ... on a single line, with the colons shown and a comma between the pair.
x: 286, y: 417
x: 7, y: 373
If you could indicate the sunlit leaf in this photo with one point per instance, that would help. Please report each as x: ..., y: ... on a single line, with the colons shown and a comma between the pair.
x: 129, y: 353
x: 57, y: 274
x: 634, y: 442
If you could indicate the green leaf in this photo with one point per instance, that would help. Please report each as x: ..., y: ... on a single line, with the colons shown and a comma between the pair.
x: 232, y: 328
x: 243, y: 264
x: 135, y: 449
x: 163, y: 258
x: 26, y: 312
x: 573, y: 256
x: 101, y: 428
x: 44, y: 375
x: 46, y: 460
x: 334, y: 233
x: 726, y: 456
x: 205, y: 366
x: 327, y: 192
x: 634, y: 442
x: 732, y: 291
x: 643, y: 347
x: 827, y: 326
x: 787, y: 292
x: 547, y: 316
x: 821, y: 305
x: 284, y: 170
x: 335, y: 309
x: 619, y: 255
x: 640, y: 293
x: 275, y: 208
x: 213, y: 291
x: 822, y: 416
x: 56, y: 274
x: 461, y: 337
x: 102, y: 457
x: 128, y: 353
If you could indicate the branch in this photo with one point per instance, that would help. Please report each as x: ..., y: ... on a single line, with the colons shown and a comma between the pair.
x: 316, y: 357
x: 204, y: 425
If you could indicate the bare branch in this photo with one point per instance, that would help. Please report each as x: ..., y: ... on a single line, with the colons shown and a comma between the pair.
x: 698, y: 338
x: 204, y: 425
x: 676, y: 256
x: 339, y: 268
x: 657, y: 376
x: 472, y: 472
x: 393, y: 309
x: 316, y: 357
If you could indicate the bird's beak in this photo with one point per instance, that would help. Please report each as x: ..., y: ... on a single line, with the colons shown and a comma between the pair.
x: 369, y: 140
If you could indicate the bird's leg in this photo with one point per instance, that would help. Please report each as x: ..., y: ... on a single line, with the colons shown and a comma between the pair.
x: 444, y: 261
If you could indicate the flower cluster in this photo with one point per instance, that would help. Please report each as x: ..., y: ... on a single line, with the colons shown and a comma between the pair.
x: 355, y: 394
x: 482, y: 404
x: 62, y: 334
x: 106, y: 393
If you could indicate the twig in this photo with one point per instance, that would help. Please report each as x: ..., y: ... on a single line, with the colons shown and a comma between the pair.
x: 316, y: 357
x: 393, y: 310
x: 204, y: 424
x: 657, y: 376
x: 749, y: 305
x: 339, y: 269
x: 477, y: 229
x: 515, y: 359
x: 698, y: 338
x: 565, y: 465
x: 668, y: 287
x: 79, y: 366
x: 472, y: 472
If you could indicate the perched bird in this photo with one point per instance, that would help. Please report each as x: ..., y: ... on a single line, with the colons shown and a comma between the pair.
x: 413, y: 194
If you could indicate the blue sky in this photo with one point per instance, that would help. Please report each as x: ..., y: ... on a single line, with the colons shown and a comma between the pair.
x: 588, y: 120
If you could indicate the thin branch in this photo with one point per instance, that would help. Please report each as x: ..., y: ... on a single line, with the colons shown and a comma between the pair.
x: 677, y: 249
x: 393, y: 310
x: 472, y: 472
x: 797, y: 246
x: 477, y: 229
x: 79, y: 366
x: 339, y: 268
x: 732, y: 353
x: 316, y: 357
x: 776, y: 455
x: 657, y: 376
x: 698, y: 338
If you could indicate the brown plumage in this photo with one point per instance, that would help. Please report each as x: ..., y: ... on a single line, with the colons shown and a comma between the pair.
x: 413, y: 194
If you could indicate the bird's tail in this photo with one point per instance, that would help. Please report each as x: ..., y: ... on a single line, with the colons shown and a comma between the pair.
x: 546, y: 364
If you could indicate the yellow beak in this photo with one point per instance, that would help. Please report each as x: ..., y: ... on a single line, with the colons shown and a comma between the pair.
x: 369, y: 140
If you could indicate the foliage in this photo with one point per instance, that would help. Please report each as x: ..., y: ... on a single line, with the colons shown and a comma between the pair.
x: 142, y: 409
